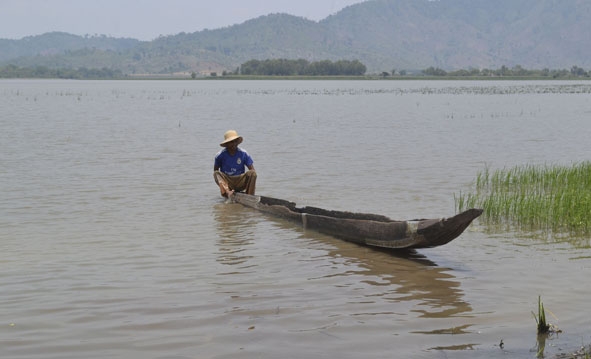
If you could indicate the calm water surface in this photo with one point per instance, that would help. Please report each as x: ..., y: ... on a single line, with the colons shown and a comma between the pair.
x: 114, y: 242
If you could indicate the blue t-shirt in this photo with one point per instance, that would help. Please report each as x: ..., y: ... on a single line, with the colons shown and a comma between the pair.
x: 233, y: 165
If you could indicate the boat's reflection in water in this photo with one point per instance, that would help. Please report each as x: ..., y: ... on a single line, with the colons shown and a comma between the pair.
x: 399, y: 275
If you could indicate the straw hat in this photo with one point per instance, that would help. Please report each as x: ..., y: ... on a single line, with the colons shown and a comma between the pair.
x: 230, y: 136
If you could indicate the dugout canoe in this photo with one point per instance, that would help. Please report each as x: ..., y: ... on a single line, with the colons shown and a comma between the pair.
x: 364, y: 228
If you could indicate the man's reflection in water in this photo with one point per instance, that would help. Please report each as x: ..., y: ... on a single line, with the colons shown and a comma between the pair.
x: 234, y: 232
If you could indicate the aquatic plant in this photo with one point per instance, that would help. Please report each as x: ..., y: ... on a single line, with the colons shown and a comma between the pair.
x: 543, y: 326
x: 534, y: 197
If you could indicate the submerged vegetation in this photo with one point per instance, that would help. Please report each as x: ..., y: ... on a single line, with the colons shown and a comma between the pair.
x: 543, y: 197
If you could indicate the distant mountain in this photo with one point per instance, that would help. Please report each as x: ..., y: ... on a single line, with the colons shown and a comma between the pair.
x: 461, y: 33
x: 57, y: 43
x: 382, y: 34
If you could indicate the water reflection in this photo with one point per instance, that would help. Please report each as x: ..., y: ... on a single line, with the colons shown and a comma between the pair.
x: 541, y: 339
x: 430, y: 291
x: 540, y: 345
x: 579, y: 241
x: 409, y: 276
x: 400, y: 276
x: 300, y: 282
x: 234, y: 234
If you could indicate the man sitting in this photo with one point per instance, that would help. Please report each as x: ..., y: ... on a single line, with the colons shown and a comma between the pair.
x: 229, y: 167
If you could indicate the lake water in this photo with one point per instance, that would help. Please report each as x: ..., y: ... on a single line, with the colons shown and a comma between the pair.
x: 115, y: 243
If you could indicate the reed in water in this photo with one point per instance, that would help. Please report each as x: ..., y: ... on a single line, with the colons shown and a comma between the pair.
x: 534, y: 197
x: 543, y: 326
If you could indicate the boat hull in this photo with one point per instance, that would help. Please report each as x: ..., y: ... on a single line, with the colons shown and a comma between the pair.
x: 364, y: 228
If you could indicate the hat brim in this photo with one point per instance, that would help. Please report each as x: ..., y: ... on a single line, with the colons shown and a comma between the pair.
x: 240, y: 139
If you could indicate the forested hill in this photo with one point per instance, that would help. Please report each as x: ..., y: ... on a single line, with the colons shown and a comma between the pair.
x: 382, y: 34
x: 56, y: 43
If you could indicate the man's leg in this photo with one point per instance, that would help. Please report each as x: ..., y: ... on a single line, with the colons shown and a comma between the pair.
x: 251, y: 182
x: 221, y: 181
x: 245, y: 182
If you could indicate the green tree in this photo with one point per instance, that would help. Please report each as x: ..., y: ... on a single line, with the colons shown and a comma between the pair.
x: 577, y: 71
x: 285, y: 67
x: 431, y: 71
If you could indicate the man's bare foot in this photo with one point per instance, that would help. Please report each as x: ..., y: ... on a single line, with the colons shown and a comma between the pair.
x: 224, y: 188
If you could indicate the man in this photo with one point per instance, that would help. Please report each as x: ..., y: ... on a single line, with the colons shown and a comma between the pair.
x: 229, y: 167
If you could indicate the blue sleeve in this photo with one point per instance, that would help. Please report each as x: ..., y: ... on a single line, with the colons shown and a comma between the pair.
x: 247, y: 159
x: 217, y: 162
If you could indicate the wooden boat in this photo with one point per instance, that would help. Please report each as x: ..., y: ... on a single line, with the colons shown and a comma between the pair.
x: 363, y: 228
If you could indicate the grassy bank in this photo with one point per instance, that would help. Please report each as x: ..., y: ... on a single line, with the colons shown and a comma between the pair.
x: 544, y: 197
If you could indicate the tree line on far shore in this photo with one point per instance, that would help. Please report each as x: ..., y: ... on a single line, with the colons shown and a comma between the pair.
x: 43, y: 72
x: 302, y: 67
x: 504, y: 71
x: 284, y: 67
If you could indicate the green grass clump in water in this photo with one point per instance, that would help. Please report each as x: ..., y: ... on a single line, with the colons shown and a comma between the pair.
x: 543, y: 326
x: 556, y: 198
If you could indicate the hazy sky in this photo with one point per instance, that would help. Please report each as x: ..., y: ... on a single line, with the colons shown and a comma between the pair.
x: 146, y: 19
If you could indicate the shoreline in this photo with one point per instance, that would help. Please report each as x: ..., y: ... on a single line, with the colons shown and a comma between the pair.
x: 309, y: 78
